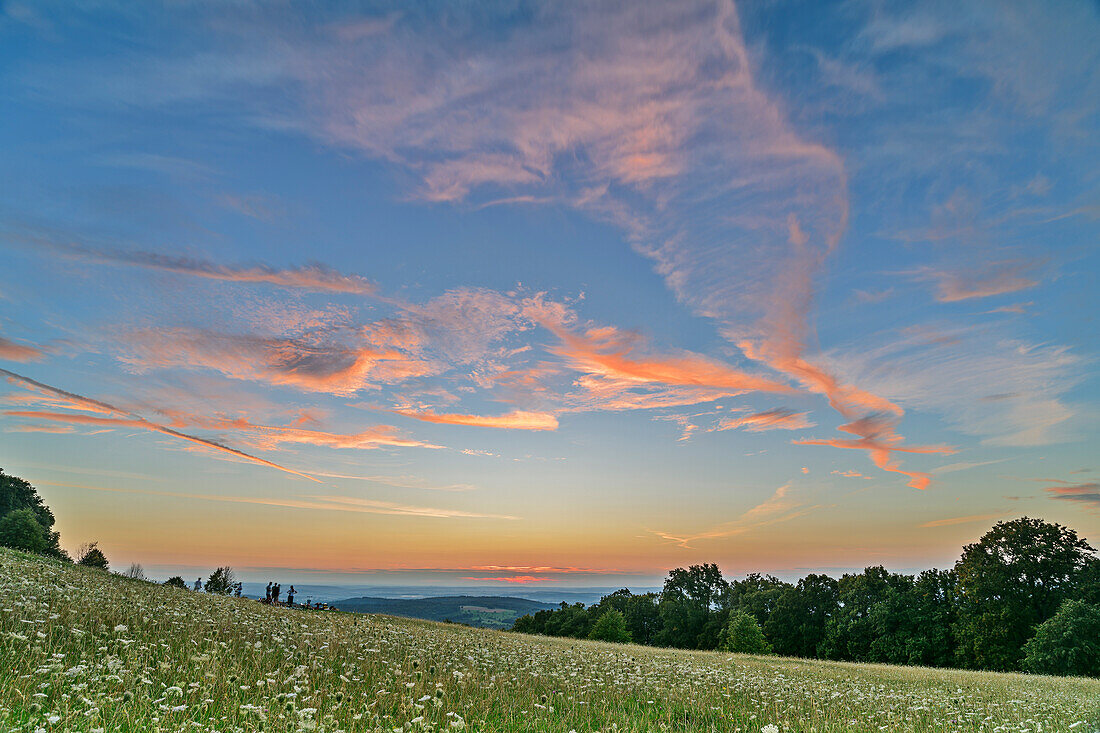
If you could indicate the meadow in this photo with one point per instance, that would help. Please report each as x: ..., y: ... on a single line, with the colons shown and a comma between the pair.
x: 83, y: 650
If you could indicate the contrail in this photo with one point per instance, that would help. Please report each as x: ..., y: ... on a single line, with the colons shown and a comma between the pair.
x: 131, y: 419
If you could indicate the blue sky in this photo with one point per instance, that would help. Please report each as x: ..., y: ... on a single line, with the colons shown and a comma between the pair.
x: 525, y: 292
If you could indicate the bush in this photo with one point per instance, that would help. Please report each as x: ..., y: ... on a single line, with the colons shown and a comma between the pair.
x: 176, y: 582
x: 20, y: 530
x: 742, y: 634
x: 1068, y: 643
x: 610, y: 626
x: 90, y: 556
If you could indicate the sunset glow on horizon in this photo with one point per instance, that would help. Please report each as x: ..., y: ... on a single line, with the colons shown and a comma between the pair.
x: 537, y: 295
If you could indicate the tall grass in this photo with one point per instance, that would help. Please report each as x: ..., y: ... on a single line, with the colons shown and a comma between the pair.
x: 81, y: 650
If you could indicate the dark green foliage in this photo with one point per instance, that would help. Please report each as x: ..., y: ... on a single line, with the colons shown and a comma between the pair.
x: 176, y: 582
x: 20, y: 530
x: 979, y: 614
x: 1009, y: 582
x: 1068, y: 643
x: 743, y: 634
x: 690, y: 603
x: 797, y: 626
x: 92, y: 557
x: 220, y: 581
x: 17, y: 494
x: 610, y: 626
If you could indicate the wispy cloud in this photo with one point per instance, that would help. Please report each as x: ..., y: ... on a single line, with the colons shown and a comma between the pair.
x: 775, y: 419
x: 994, y: 278
x: 974, y: 518
x: 313, y: 277
x: 850, y: 474
x: 779, y: 507
x: 876, y: 436
x: 322, y: 503
x: 11, y: 351
x: 515, y: 420
x: 1088, y: 494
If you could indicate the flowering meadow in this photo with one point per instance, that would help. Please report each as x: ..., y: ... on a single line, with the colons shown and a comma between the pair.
x: 83, y: 650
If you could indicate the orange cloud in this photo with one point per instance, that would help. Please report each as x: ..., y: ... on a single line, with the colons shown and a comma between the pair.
x: 516, y: 420
x: 520, y: 579
x: 877, y: 436
x: 609, y: 353
x: 55, y: 429
x: 378, y: 436
x: 960, y: 520
x: 11, y: 351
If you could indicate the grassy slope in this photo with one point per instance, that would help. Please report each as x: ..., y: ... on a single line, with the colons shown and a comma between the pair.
x: 96, y: 651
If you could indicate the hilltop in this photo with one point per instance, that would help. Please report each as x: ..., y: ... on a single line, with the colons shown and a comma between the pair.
x: 85, y: 650
x: 489, y: 612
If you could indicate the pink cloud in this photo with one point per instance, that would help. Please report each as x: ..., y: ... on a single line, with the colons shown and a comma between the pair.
x: 994, y: 278
x: 308, y: 363
x: 1084, y: 493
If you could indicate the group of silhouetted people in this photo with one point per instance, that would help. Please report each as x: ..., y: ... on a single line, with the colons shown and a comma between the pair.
x: 274, y: 590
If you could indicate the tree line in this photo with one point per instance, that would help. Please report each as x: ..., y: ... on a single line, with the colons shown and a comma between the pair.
x: 1025, y: 597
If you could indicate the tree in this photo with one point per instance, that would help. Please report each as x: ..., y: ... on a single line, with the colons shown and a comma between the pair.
x: 689, y: 600
x: 16, y: 494
x: 610, y: 626
x: 759, y: 594
x: 89, y: 555
x: 221, y: 581
x: 20, y: 530
x: 743, y: 634
x: 135, y: 571
x: 1010, y: 581
x: 872, y: 619
x: 797, y: 626
x: 1068, y: 643
x: 176, y: 582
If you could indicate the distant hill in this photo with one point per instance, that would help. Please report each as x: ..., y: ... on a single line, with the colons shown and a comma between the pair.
x: 489, y: 612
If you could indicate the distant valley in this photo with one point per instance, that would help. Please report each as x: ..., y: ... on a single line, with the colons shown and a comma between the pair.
x: 488, y: 612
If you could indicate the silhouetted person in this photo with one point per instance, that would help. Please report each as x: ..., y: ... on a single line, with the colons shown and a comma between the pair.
x: 267, y: 597
x: 198, y: 583
x: 239, y: 588
x: 275, y: 593
x: 290, y: 596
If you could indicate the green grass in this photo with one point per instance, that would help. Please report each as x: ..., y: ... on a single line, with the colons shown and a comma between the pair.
x: 81, y: 650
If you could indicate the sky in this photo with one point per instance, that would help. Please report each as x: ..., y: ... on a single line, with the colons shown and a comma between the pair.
x: 549, y: 294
